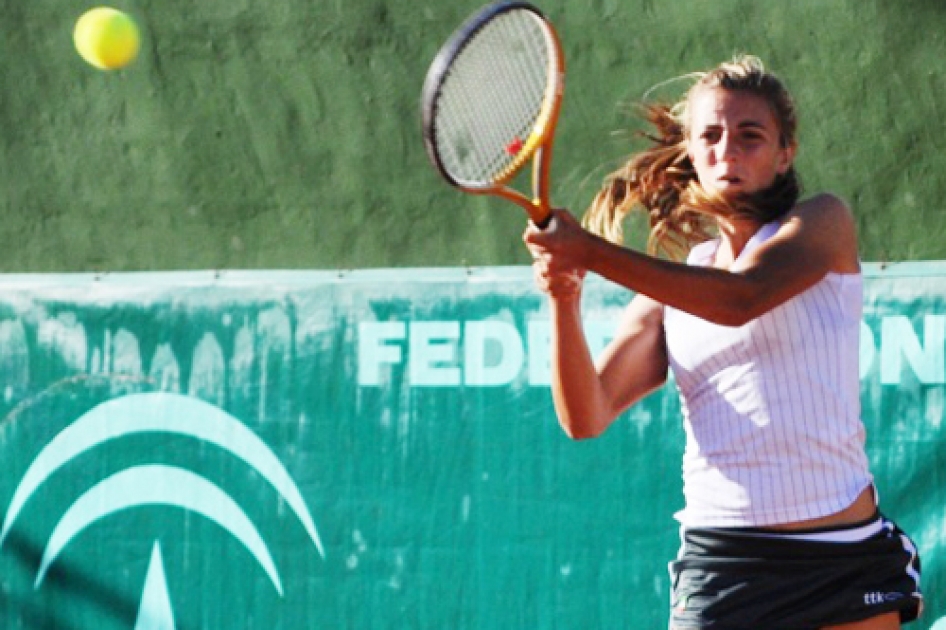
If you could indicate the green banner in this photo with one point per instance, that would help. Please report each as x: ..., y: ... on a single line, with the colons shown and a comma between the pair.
x: 372, y: 450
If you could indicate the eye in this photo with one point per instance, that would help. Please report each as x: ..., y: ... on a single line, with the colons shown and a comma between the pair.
x: 753, y: 135
x: 710, y: 136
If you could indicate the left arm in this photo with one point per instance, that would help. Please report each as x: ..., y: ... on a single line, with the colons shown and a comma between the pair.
x: 817, y: 237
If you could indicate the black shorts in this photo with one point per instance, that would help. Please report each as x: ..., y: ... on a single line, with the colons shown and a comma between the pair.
x: 743, y: 579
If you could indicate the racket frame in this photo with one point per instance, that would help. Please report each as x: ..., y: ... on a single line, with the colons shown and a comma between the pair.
x: 537, y: 147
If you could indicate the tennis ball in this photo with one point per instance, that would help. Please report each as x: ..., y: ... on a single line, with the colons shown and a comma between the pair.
x: 107, y: 38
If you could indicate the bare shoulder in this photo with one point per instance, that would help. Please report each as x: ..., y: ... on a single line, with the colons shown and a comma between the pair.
x: 827, y: 222
x: 825, y: 207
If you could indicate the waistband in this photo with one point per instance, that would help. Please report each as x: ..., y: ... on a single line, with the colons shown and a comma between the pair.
x: 855, y: 532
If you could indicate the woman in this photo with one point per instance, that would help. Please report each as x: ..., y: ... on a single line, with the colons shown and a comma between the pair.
x: 760, y: 326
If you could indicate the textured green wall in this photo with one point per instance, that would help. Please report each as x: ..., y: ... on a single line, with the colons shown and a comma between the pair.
x: 286, y: 134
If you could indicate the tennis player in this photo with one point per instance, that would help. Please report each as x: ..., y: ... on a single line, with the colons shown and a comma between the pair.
x: 760, y: 325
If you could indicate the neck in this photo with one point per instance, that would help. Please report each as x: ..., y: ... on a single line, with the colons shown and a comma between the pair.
x: 734, y: 235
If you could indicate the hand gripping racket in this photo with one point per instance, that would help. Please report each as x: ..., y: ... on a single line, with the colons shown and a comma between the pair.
x: 491, y: 102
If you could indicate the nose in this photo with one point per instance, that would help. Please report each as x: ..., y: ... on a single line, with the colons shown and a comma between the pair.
x: 726, y: 148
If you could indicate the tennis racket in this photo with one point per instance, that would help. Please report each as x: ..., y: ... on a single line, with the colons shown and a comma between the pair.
x: 491, y: 101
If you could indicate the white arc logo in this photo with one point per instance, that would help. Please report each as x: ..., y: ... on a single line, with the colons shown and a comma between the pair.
x: 155, y: 611
x: 156, y: 484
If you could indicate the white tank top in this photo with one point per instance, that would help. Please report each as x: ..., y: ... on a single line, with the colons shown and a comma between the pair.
x: 771, y: 408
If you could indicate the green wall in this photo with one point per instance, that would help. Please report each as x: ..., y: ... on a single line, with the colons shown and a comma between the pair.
x: 286, y: 134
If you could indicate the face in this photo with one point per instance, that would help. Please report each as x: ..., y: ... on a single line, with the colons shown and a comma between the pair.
x: 734, y: 142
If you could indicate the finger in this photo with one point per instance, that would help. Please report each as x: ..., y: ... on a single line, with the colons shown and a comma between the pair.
x: 535, y: 253
x: 540, y: 279
x: 531, y: 232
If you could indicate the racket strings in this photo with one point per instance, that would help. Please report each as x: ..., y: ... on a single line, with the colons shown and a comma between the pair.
x: 492, y: 97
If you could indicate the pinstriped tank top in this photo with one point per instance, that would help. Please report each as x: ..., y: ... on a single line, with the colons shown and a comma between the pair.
x: 771, y: 408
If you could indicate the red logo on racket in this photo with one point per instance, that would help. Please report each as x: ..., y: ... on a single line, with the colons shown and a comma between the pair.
x: 514, y: 147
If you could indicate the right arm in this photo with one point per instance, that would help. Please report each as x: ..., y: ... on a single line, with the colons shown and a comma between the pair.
x: 589, y: 395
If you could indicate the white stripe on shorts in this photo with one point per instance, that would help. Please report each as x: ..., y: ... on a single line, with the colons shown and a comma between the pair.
x: 847, y: 535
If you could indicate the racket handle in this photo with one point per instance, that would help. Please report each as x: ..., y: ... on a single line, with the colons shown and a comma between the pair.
x: 541, y: 211
x: 541, y: 215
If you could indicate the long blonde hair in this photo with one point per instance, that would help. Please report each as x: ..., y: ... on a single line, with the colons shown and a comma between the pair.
x: 661, y: 180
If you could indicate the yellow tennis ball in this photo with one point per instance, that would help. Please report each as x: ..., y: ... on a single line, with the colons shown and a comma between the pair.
x: 107, y: 38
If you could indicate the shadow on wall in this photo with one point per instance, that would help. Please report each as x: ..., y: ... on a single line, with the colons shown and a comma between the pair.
x: 64, y: 578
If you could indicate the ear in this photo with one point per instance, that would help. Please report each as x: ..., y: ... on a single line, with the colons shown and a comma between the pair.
x: 786, y: 158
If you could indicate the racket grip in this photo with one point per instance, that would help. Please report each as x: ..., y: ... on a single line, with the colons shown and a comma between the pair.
x: 540, y: 213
